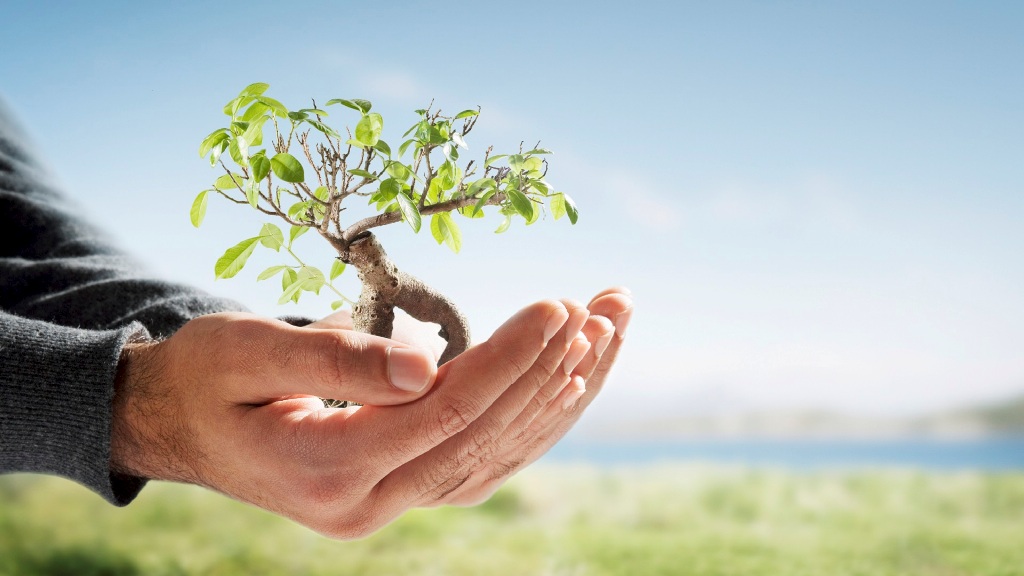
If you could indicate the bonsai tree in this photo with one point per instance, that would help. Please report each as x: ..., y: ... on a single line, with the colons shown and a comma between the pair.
x: 293, y: 166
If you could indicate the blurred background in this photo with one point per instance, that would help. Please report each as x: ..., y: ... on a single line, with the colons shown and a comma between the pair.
x: 817, y: 205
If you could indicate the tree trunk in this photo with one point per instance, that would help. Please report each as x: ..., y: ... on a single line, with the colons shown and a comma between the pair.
x: 385, y: 286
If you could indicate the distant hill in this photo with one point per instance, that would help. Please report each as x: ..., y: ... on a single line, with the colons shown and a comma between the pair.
x: 1003, y: 418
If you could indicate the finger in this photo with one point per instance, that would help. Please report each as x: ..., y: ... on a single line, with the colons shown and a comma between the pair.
x: 609, y: 291
x: 465, y: 389
x: 340, y: 320
x: 558, y: 418
x: 431, y: 475
x: 599, y: 331
x: 284, y: 360
x: 485, y: 481
x: 578, y: 347
x: 617, y: 307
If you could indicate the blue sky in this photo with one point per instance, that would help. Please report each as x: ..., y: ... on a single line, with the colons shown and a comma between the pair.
x: 816, y: 204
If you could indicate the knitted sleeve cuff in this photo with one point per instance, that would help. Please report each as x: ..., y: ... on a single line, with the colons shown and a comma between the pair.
x: 56, y: 392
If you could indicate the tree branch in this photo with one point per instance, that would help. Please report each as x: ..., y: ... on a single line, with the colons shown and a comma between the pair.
x: 365, y: 224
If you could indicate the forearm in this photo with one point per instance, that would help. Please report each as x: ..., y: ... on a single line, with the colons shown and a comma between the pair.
x: 55, y: 402
x: 69, y: 301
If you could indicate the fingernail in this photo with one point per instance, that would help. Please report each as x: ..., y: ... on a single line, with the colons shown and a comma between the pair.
x: 409, y: 369
x: 622, y: 322
x: 572, y: 398
x: 602, y: 343
x: 574, y: 356
x: 556, y: 321
x: 576, y: 321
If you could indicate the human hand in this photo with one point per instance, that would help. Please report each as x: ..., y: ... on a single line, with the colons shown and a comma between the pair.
x: 552, y: 412
x: 548, y: 419
x: 231, y: 402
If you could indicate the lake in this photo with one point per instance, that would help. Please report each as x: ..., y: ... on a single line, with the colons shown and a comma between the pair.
x: 992, y: 454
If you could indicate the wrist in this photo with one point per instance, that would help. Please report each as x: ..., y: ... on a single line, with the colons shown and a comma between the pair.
x: 144, y: 441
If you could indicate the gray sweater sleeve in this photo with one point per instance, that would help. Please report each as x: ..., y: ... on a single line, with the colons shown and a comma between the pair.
x: 69, y: 302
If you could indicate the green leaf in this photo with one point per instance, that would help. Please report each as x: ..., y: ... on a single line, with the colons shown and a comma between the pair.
x: 314, y: 111
x: 256, y: 110
x: 337, y: 304
x: 254, y: 133
x: 322, y: 193
x: 570, y: 208
x: 471, y: 212
x: 216, y: 137
x: 323, y: 127
x: 405, y: 146
x: 254, y: 89
x: 217, y: 150
x: 558, y: 206
x: 295, y: 232
x: 539, y: 151
x: 399, y: 171
x: 466, y: 114
x: 437, y: 229
x: 298, y: 116
x: 533, y: 166
x: 493, y: 159
x: 369, y: 128
x: 276, y: 106
x: 337, y: 268
x: 383, y: 147
x: 478, y: 209
x: 516, y: 162
x: 228, y: 182
x: 198, y: 211
x: 481, y: 185
x: 252, y: 192
x: 260, y: 165
x: 288, y: 278
x: 292, y: 290
x: 232, y: 107
x: 358, y: 172
x: 300, y: 210
x: 271, y: 237
x: 287, y: 167
x: 540, y: 186
x: 389, y: 189
x: 521, y: 203
x: 409, y: 212
x: 312, y: 279
x: 448, y: 175
x: 234, y: 258
x: 436, y: 135
x: 270, y: 272
x: 504, y: 225
x: 355, y: 104
x: 453, y: 236
x: 434, y: 192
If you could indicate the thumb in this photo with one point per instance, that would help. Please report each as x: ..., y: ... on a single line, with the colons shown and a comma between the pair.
x: 346, y: 365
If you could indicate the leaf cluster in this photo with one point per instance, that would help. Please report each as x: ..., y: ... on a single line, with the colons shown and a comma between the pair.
x: 291, y: 164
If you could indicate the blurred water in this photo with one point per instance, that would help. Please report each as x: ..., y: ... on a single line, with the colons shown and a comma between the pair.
x: 1002, y: 453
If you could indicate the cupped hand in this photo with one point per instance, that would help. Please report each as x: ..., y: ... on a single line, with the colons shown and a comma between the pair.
x: 231, y: 401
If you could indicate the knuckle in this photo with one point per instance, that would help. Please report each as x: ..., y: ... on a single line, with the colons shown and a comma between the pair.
x: 505, y: 468
x: 319, y: 490
x: 351, y: 525
x: 481, y: 447
x: 430, y: 481
x: 454, y: 416
x: 330, y: 357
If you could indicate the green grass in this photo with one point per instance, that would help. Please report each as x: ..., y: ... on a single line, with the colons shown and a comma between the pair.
x: 552, y: 520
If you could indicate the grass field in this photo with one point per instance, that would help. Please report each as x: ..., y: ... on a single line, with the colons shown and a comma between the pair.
x: 552, y: 520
